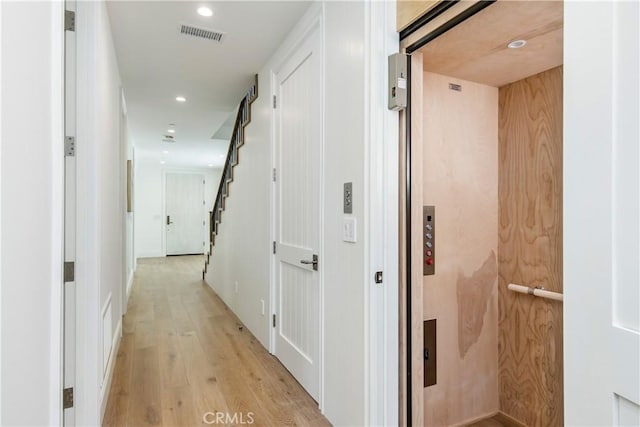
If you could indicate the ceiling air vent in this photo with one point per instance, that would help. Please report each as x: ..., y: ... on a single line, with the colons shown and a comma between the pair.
x: 202, y: 33
x: 169, y: 138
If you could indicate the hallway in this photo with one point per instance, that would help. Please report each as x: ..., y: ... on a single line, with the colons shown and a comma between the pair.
x: 183, y: 354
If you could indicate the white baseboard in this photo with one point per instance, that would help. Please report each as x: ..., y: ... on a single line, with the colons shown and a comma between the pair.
x: 106, y: 385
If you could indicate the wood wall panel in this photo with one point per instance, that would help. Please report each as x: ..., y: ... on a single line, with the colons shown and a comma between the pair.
x: 416, y: 325
x: 409, y: 10
x: 530, y: 248
x: 460, y: 167
x: 417, y: 129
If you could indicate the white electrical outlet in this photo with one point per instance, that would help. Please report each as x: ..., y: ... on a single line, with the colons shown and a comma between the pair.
x: 262, y: 307
x: 349, y: 230
x: 236, y: 286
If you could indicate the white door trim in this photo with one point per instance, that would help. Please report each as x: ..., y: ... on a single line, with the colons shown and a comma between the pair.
x: 88, y: 342
x: 57, y: 212
x: 381, y: 217
x: 0, y: 213
x: 311, y: 21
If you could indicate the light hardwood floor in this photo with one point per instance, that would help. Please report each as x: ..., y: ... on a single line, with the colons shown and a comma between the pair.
x: 183, y: 354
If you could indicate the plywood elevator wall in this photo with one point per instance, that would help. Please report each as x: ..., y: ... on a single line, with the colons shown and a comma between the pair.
x: 530, y: 248
x: 461, y: 179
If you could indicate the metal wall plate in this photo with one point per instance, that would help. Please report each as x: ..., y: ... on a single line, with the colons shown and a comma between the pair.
x: 430, y: 352
x: 428, y: 240
x: 348, y: 198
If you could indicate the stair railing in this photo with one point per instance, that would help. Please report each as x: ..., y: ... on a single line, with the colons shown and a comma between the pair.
x: 243, y: 118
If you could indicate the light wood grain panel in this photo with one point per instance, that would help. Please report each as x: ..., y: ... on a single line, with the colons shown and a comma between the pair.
x: 410, y: 10
x: 460, y: 166
x: 402, y: 271
x: 416, y: 244
x: 186, y: 354
x: 530, y: 248
x: 477, y: 49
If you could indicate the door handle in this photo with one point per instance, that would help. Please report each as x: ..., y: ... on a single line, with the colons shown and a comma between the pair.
x: 313, y: 262
x: 169, y: 222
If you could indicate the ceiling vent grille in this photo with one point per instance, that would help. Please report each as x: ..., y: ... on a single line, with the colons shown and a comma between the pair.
x: 169, y: 138
x: 202, y: 33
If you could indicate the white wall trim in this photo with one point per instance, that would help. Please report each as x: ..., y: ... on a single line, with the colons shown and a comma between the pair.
x: 88, y: 250
x: 57, y: 211
x: 381, y: 220
x: 1, y: 56
x: 312, y: 20
x: 108, y: 378
x: 129, y: 287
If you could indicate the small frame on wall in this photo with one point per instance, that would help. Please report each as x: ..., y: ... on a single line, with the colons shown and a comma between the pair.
x: 129, y: 186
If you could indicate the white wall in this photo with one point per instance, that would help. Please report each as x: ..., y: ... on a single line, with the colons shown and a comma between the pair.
x: 243, y: 246
x: 129, y: 247
x: 100, y: 207
x: 345, y: 156
x: 149, y: 202
x: 31, y: 212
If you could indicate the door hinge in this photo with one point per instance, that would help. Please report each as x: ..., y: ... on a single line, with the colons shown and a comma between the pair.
x: 274, y: 174
x: 69, y: 271
x: 274, y: 246
x: 67, y: 398
x: 69, y: 20
x: 274, y: 320
x: 69, y: 146
x: 274, y: 101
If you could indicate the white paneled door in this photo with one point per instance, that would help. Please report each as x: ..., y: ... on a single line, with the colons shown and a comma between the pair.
x: 298, y: 163
x: 602, y: 214
x: 185, y: 213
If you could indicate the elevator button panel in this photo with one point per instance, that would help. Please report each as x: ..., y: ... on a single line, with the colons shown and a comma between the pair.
x: 429, y: 239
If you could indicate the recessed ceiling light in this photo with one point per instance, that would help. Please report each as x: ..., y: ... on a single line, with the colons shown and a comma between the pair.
x: 221, y: 156
x: 165, y: 152
x: 210, y: 165
x: 205, y: 11
x: 181, y: 98
x: 162, y: 162
x: 516, y: 44
x: 171, y: 130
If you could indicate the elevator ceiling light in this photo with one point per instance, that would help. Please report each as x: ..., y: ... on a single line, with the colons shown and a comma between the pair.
x: 181, y: 98
x: 516, y: 44
x: 205, y: 11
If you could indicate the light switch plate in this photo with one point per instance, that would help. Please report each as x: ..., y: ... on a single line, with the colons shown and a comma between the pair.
x: 349, y: 231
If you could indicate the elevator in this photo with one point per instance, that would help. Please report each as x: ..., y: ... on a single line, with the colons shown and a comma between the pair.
x: 482, y: 151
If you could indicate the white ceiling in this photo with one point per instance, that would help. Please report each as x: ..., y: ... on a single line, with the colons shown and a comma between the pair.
x: 157, y: 63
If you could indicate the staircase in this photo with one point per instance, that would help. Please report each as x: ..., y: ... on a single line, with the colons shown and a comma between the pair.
x: 243, y: 118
